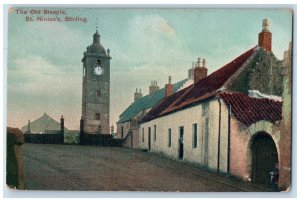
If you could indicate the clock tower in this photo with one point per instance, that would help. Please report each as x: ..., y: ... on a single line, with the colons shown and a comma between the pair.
x: 96, y: 88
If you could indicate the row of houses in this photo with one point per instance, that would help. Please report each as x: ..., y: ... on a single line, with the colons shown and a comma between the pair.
x: 235, y: 121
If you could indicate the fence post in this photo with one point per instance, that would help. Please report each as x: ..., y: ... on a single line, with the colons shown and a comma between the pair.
x: 14, y: 159
x: 81, y: 135
x: 62, y: 129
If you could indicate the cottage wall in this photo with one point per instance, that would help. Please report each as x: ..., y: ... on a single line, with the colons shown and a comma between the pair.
x: 241, y: 142
x: 210, y: 148
x: 132, y: 140
x: 206, y: 116
x: 239, y: 151
x: 126, y: 128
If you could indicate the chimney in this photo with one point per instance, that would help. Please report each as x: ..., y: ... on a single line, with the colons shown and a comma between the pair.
x: 169, y: 88
x: 191, y: 72
x: 265, y: 36
x: 137, y: 95
x: 200, y: 72
x: 153, y: 88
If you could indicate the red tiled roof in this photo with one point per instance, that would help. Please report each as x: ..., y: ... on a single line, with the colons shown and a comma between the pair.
x: 163, y: 104
x: 201, y: 90
x: 211, y: 83
x: 249, y: 110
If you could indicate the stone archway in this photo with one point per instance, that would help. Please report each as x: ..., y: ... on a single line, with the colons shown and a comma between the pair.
x: 264, y: 157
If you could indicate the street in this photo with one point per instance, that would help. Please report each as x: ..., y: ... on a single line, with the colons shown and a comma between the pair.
x: 74, y: 167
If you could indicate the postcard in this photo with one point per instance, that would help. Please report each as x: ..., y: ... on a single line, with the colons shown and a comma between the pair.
x: 149, y: 99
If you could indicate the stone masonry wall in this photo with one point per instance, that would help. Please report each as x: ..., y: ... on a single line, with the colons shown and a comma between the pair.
x: 263, y: 73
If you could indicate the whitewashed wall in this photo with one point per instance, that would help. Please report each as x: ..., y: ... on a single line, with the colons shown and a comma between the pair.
x: 126, y: 128
x: 206, y: 152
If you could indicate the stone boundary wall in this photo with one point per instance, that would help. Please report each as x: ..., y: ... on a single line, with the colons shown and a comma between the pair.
x: 44, y: 138
x: 14, y: 159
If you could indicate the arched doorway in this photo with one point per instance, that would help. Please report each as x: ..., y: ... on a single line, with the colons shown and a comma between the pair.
x: 264, y: 158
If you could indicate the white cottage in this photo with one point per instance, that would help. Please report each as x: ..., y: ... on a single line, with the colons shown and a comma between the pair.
x: 215, y: 123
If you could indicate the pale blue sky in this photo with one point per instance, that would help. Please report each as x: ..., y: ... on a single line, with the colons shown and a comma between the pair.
x: 44, y: 59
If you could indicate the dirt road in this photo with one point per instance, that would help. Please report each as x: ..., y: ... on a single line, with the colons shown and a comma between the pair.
x: 73, y: 167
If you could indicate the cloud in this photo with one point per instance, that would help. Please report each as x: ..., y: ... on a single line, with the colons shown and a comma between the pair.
x: 35, y: 75
x: 56, y: 41
x: 152, y: 41
x: 36, y: 86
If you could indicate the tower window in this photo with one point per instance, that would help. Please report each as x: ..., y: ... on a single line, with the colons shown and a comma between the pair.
x: 98, y: 93
x: 97, y: 116
x: 99, y: 62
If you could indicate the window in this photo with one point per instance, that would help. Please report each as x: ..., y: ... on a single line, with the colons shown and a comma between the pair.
x: 154, y: 135
x: 149, y: 133
x: 143, y: 135
x: 97, y: 116
x: 99, y: 62
x: 84, y: 71
x: 98, y: 93
x: 195, y: 135
x: 169, y: 137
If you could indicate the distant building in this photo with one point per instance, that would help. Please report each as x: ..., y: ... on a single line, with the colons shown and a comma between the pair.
x: 47, y: 125
x: 216, y: 123
x: 43, y: 125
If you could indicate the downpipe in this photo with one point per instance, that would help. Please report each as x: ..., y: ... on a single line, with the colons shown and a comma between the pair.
x: 228, y: 139
x: 219, y: 135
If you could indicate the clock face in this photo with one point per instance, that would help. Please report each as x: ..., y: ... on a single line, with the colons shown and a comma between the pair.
x: 98, y: 70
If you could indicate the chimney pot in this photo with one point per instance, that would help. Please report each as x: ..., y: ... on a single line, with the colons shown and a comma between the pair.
x: 266, y: 25
x: 203, y: 63
x: 199, y: 62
